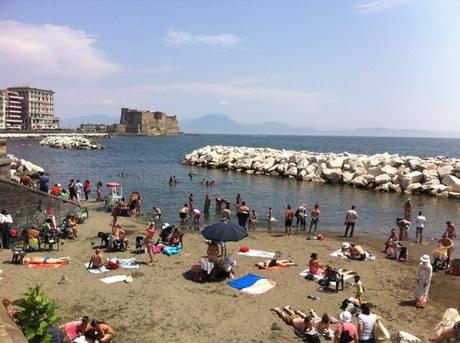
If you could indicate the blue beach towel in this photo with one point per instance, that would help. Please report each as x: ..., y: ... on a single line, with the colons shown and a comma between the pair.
x: 171, y: 250
x: 245, y: 281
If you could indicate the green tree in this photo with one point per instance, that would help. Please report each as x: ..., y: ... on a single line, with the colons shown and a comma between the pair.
x: 36, y: 313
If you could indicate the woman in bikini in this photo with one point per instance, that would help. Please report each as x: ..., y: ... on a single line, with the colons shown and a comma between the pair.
x: 275, y: 263
x: 148, y: 239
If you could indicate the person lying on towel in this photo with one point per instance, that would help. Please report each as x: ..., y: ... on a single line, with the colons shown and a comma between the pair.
x: 303, y: 324
x: 46, y: 259
x: 356, y: 252
x: 275, y: 263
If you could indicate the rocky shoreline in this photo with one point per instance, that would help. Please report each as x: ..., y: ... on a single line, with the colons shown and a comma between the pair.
x: 21, y: 167
x: 435, y: 176
x: 71, y: 142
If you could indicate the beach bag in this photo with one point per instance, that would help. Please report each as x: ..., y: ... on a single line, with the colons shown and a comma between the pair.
x: 454, y: 268
x: 345, y: 336
x: 113, y: 264
x: 381, y: 333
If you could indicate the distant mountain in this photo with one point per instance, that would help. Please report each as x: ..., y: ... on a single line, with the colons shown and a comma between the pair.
x: 75, y: 122
x: 220, y: 123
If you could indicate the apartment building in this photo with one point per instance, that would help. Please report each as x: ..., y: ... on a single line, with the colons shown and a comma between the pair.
x: 37, y: 107
x: 2, y: 110
x: 13, y: 118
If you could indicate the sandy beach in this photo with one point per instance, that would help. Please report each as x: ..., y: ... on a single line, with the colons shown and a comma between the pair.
x: 162, y: 304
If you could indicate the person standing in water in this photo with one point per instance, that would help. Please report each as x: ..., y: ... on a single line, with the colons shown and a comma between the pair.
x: 315, y: 214
x: 288, y: 218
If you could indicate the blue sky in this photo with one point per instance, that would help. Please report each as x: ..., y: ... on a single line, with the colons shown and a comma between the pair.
x: 325, y: 64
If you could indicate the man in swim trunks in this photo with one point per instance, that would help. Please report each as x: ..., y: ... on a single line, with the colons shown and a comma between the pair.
x: 119, y: 234
x: 356, y: 252
x: 46, y: 259
x: 97, y: 260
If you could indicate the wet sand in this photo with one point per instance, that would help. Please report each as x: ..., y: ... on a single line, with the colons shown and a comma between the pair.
x: 163, y: 304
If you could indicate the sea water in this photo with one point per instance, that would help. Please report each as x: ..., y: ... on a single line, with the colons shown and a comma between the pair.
x: 150, y: 161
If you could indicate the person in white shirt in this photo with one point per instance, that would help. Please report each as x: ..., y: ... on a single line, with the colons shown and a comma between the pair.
x: 5, y: 221
x: 350, y: 220
x: 419, y: 225
x: 366, y: 322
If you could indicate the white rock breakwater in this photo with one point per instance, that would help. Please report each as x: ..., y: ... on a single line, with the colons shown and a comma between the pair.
x: 436, y: 176
x: 71, y: 142
x: 21, y: 167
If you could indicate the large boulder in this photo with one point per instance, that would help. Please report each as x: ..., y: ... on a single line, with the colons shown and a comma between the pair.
x: 389, y: 170
x: 430, y: 175
x: 382, y: 179
x: 385, y: 187
x: 335, y: 162
x: 347, y: 177
x: 410, y: 178
x: 332, y: 174
x: 452, y: 181
x: 374, y: 171
x: 360, y: 181
x: 444, y: 170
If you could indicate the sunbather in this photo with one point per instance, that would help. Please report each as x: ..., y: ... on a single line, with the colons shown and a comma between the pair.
x: 46, y: 259
x: 444, y: 335
x: 274, y: 262
x: 105, y: 332
x: 213, y: 251
x: 315, y: 268
x: 84, y: 326
x: 97, y: 260
x: 302, y: 324
x: 356, y: 252
x: 175, y: 238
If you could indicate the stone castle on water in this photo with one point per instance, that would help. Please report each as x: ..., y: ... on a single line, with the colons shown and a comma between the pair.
x: 146, y: 123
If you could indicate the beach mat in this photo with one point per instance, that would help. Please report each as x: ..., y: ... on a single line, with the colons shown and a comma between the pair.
x: 269, y: 269
x: 103, y: 269
x: 339, y: 254
x: 245, y: 281
x: 45, y: 265
x: 261, y: 286
x: 258, y: 253
x: 128, y: 263
x: 70, y: 329
x: 307, y: 272
x: 113, y: 279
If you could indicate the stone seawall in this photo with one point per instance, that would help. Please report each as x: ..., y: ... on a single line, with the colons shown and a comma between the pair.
x: 435, y: 176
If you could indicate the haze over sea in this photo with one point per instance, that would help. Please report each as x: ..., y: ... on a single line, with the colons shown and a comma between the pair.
x: 158, y: 158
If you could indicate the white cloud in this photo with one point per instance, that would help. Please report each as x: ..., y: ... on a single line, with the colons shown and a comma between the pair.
x: 31, y: 52
x: 180, y: 38
x: 379, y: 5
x: 225, y: 103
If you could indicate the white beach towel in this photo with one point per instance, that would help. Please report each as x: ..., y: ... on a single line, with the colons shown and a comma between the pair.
x: 258, y: 253
x: 339, y: 254
x: 307, y: 272
x: 113, y: 279
x: 103, y: 269
x: 128, y: 263
x: 259, y: 287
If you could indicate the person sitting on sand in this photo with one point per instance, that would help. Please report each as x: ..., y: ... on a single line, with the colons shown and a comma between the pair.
x: 394, y: 237
x: 275, y: 263
x: 41, y: 259
x: 97, y: 260
x: 322, y: 325
x: 105, y: 332
x: 314, y: 267
x: 9, y: 309
x: 175, y: 239
x: 119, y: 235
x: 302, y: 324
x: 73, y: 226
x: 445, y: 334
x: 84, y: 326
x: 213, y: 251
x: 356, y: 252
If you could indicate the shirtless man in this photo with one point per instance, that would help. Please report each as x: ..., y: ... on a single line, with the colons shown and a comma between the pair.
x: 25, y: 180
x: 356, y: 252
x: 97, y: 260
x: 301, y: 323
x: 119, y: 234
x: 106, y: 332
x: 84, y: 326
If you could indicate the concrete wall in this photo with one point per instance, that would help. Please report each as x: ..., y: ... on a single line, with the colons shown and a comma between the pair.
x: 23, y: 202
